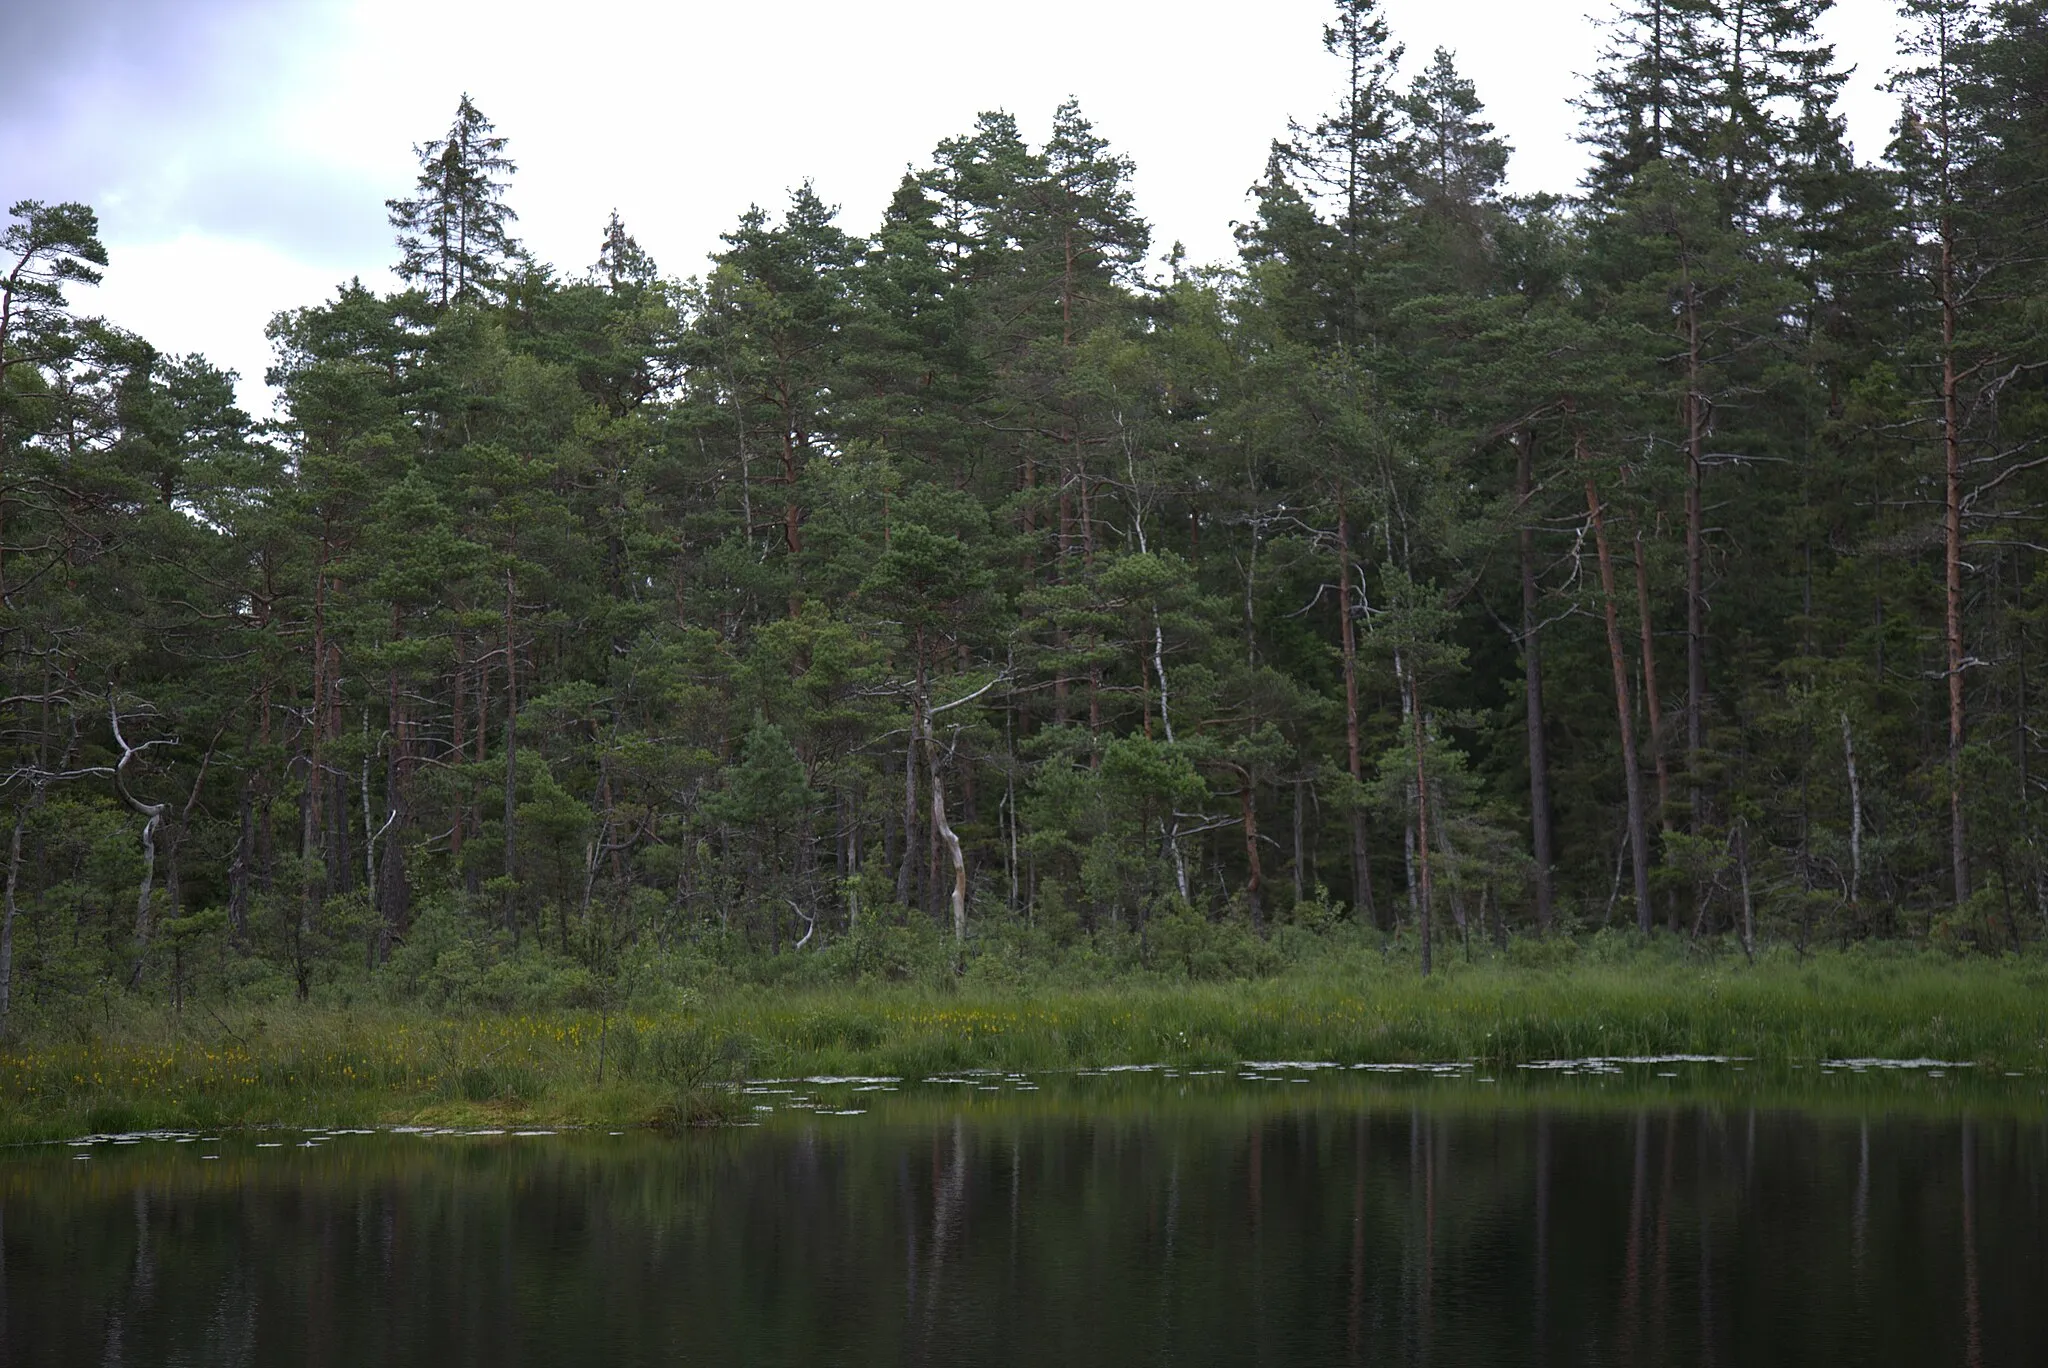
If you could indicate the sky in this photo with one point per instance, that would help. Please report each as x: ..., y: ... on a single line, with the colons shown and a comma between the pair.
x: 239, y: 152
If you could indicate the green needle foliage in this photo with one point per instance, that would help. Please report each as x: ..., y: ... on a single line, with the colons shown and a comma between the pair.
x: 980, y: 599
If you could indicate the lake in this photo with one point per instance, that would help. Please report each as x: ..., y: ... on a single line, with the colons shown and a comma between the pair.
x: 1597, y: 1213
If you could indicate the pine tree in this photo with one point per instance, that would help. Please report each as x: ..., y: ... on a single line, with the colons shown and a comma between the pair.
x: 768, y: 340
x: 1454, y: 162
x: 1967, y: 155
x: 1455, y: 166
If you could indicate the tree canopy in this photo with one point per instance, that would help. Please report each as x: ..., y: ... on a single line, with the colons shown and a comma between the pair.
x: 1452, y: 564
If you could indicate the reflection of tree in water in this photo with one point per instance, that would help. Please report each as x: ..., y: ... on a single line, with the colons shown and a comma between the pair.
x: 1242, y: 1232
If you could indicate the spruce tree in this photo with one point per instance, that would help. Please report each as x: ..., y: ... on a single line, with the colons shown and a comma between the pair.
x: 622, y: 263
x: 452, y: 234
x: 1351, y: 164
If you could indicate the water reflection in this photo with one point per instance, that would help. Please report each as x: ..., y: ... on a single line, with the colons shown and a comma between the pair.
x: 1310, y: 1230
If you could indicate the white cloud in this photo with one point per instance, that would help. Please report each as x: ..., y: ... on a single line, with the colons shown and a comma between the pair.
x: 206, y: 294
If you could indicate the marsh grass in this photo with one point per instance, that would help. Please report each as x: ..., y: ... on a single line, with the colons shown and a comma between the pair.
x: 320, y: 1066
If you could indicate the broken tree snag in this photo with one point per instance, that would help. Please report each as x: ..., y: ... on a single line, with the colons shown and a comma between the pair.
x: 941, y: 827
x: 153, y: 820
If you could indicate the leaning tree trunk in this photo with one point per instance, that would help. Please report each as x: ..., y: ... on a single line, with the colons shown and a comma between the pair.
x: 1638, y: 833
x: 1653, y: 705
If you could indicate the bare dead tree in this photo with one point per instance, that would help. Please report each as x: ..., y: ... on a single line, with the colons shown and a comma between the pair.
x: 153, y: 820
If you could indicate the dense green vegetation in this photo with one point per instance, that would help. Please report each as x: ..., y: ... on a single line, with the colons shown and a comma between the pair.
x: 1452, y: 570
x: 673, y: 1059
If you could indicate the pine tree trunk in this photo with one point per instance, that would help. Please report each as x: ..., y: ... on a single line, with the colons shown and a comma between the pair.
x: 511, y: 760
x: 1638, y: 833
x: 1532, y: 688
x: 7, y: 912
x: 792, y: 537
x: 239, y: 866
x: 1652, y: 702
x: 1255, y: 878
x: 1952, y: 565
x: 341, y: 869
x: 472, y: 796
x: 1300, y: 843
x: 394, y: 889
x: 792, y: 451
x: 1455, y: 887
x: 906, y: 873
x: 889, y: 818
x: 261, y: 781
x: 1422, y: 882
x: 371, y: 889
x: 316, y: 713
x: 458, y: 745
x: 1361, y: 863
x: 1855, y: 812
x: 1695, y: 584
x: 1094, y: 716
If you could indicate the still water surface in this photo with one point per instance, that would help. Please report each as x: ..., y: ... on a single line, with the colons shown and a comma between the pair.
x: 1282, y: 1216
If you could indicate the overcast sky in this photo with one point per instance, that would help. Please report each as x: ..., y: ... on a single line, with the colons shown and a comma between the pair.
x: 240, y: 151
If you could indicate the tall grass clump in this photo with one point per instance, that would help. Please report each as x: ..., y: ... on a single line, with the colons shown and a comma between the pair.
x: 676, y: 1057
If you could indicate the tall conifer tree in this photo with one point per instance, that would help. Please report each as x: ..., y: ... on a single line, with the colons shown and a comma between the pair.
x: 453, y: 234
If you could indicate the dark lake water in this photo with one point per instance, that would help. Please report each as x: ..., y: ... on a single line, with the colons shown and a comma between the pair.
x: 1283, y: 1216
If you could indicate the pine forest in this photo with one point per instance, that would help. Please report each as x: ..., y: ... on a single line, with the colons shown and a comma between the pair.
x: 993, y: 587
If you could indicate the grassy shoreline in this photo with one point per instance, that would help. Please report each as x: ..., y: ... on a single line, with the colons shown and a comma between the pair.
x: 287, y: 1064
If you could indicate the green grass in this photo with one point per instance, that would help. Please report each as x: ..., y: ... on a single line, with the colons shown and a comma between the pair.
x: 286, y: 1064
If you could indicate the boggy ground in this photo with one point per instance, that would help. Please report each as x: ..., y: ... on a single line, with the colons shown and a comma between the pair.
x: 330, y: 1064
